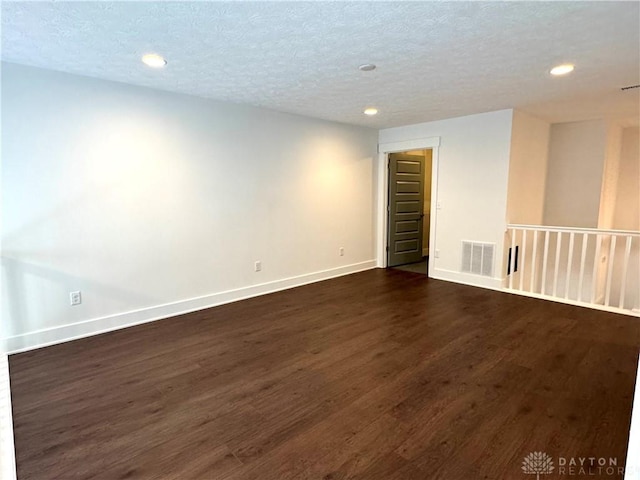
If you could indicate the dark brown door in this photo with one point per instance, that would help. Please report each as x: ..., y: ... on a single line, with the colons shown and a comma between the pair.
x: 406, y: 199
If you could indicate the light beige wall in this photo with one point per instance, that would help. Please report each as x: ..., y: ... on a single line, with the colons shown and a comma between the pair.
x: 610, y: 174
x: 627, y: 206
x: 527, y: 169
x: 626, y: 216
x: 574, y: 173
x: 593, y: 180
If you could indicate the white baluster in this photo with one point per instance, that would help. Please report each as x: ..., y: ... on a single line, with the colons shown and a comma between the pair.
x: 544, y: 261
x: 512, y: 260
x: 557, y: 263
x: 569, y: 262
x: 523, y: 260
x: 534, y: 262
x: 583, y: 257
x: 625, y: 268
x: 596, y: 262
x: 612, y: 253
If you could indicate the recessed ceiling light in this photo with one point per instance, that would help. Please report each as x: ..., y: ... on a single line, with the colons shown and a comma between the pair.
x: 367, y: 67
x: 562, y: 69
x: 370, y: 111
x: 153, y: 60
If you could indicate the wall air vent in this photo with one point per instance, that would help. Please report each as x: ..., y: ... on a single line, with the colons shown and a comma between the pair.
x: 477, y: 258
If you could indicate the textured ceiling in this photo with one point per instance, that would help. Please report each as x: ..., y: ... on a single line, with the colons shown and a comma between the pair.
x: 435, y: 59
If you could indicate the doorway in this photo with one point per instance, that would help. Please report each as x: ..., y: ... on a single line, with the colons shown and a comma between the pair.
x: 409, y: 210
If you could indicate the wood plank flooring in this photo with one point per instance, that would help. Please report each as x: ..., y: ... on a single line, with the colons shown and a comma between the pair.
x: 378, y: 375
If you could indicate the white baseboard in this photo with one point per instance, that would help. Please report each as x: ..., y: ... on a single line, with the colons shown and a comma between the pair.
x: 467, y: 279
x: 73, y: 331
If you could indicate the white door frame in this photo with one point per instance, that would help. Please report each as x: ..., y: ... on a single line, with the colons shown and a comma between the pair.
x: 7, y: 450
x: 384, y: 149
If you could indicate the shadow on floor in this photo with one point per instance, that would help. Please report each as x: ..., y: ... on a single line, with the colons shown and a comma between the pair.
x: 418, y: 267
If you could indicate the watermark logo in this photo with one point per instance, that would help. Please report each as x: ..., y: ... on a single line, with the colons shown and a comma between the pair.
x: 540, y: 463
x: 537, y: 463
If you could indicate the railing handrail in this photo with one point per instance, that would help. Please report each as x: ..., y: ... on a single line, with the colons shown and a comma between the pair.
x: 551, y: 228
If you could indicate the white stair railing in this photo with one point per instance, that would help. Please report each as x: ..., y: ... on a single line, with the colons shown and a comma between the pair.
x: 585, y: 266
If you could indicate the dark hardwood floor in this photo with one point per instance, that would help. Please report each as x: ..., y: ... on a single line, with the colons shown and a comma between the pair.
x: 377, y: 375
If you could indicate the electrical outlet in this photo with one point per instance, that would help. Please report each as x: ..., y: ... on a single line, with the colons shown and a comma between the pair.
x: 75, y: 298
x: 436, y: 254
x: 342, y: 251
x: 258, y: 266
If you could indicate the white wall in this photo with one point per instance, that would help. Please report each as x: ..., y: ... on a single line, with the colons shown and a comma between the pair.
x: 7, y: 452
x: 7, y: 457
x: 632, y: 465
x: 574, y: 173
x: 527, y: 169
x: 473, y: 168
x: 141, y: 198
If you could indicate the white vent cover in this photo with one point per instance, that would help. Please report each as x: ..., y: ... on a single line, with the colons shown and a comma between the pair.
x: 478, y: 258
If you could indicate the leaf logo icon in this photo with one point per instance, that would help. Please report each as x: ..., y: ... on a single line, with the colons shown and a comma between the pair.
x: 537, y: 463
